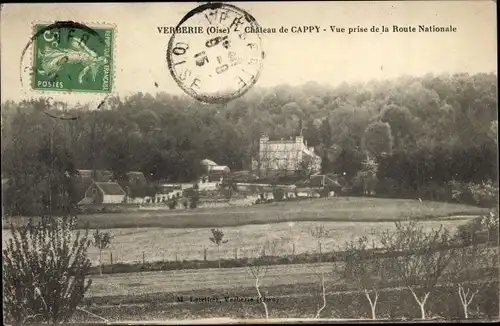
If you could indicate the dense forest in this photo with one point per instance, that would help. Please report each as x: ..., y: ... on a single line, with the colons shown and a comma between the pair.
x: 414, y: 134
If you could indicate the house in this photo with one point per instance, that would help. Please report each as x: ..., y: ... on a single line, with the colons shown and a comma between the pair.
x: 325, y: 182
x: 218, y: 172
x: 104, y: 193
x: 84, y: 179
x: 134, y: 186
x: 288, y: 157
x: 322, y: 184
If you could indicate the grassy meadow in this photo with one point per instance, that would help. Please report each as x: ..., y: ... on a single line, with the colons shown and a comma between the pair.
x: 167, y: 244
x: 337, y: 209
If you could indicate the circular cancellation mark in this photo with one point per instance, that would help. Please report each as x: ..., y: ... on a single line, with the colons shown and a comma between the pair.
x: 221, y: 63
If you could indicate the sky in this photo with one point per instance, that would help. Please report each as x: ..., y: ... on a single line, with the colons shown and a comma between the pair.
x: 293, y: 59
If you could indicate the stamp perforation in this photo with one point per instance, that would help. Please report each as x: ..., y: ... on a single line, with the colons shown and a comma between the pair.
x: 90, y: 24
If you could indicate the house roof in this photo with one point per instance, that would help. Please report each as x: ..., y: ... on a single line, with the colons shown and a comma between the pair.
x: 86, y: 201
x: 317, y: 180
x: 110, y: 188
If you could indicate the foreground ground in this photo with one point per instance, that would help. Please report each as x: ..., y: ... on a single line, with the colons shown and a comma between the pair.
x: 347, y: 209
x: 293, y: 291
x: 136, y: 284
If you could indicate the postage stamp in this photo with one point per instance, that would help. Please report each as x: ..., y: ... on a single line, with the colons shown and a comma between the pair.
x: 71, y: 57
x: 215, y: 53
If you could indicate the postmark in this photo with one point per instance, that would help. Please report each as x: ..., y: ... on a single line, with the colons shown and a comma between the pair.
x: 222, y: 60
x: 72, y: 57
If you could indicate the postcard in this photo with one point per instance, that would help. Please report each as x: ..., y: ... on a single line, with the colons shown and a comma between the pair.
x: 249, y: 162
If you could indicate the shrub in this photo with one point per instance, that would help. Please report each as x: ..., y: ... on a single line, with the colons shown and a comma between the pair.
x: 44, y: 271
x: 172, y: 203
x: 278, y: 193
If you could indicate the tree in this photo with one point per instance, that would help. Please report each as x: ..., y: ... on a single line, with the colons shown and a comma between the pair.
x: 193, y: 195
x: 218, y: 239
x: 464, y: 272
x: 348, y: 163
x: 278, y: 193
x: 442, y: 127
x: 377, y: 139
x: 258, y: 272
x: 172, y: 203
x: 323, y: 277
x: 364, y: 270
x: 319, y: 232
x: 102, y: 240
x: 366, y: 178
x: 419, y: 259
x: 258, y: 267
x: 401, y: 125
x: 45, y: 271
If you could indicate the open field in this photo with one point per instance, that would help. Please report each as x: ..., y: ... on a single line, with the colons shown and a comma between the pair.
x: 198, y: 281
x: 224, y: 279
x: 294, y: 289
x: 159, y: 244
x: 346, y: 209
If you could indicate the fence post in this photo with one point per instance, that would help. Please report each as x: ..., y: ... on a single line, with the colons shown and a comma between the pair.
x: 143, y: 258
x: 176, y: 258
x: 293, y: 250
x: 235, y: 253
x: 111, y: 257
x: 204, y: 253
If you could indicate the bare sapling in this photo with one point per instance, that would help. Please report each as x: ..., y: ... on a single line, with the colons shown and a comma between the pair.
x: 319, y: 269
x: 418, y: 258
x: 365, y: 271
x: 319, y: 232
x: 323, y: 295
x: 464, y: 272
x: 258, y: 267
x: 102, y: 240
x: 218, y: 239
x: 258, y: 271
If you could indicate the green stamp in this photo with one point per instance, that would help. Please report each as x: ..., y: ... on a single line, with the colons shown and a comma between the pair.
x: 73, y: 59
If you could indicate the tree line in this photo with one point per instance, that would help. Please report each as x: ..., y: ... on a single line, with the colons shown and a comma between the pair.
x: 404, y: 137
